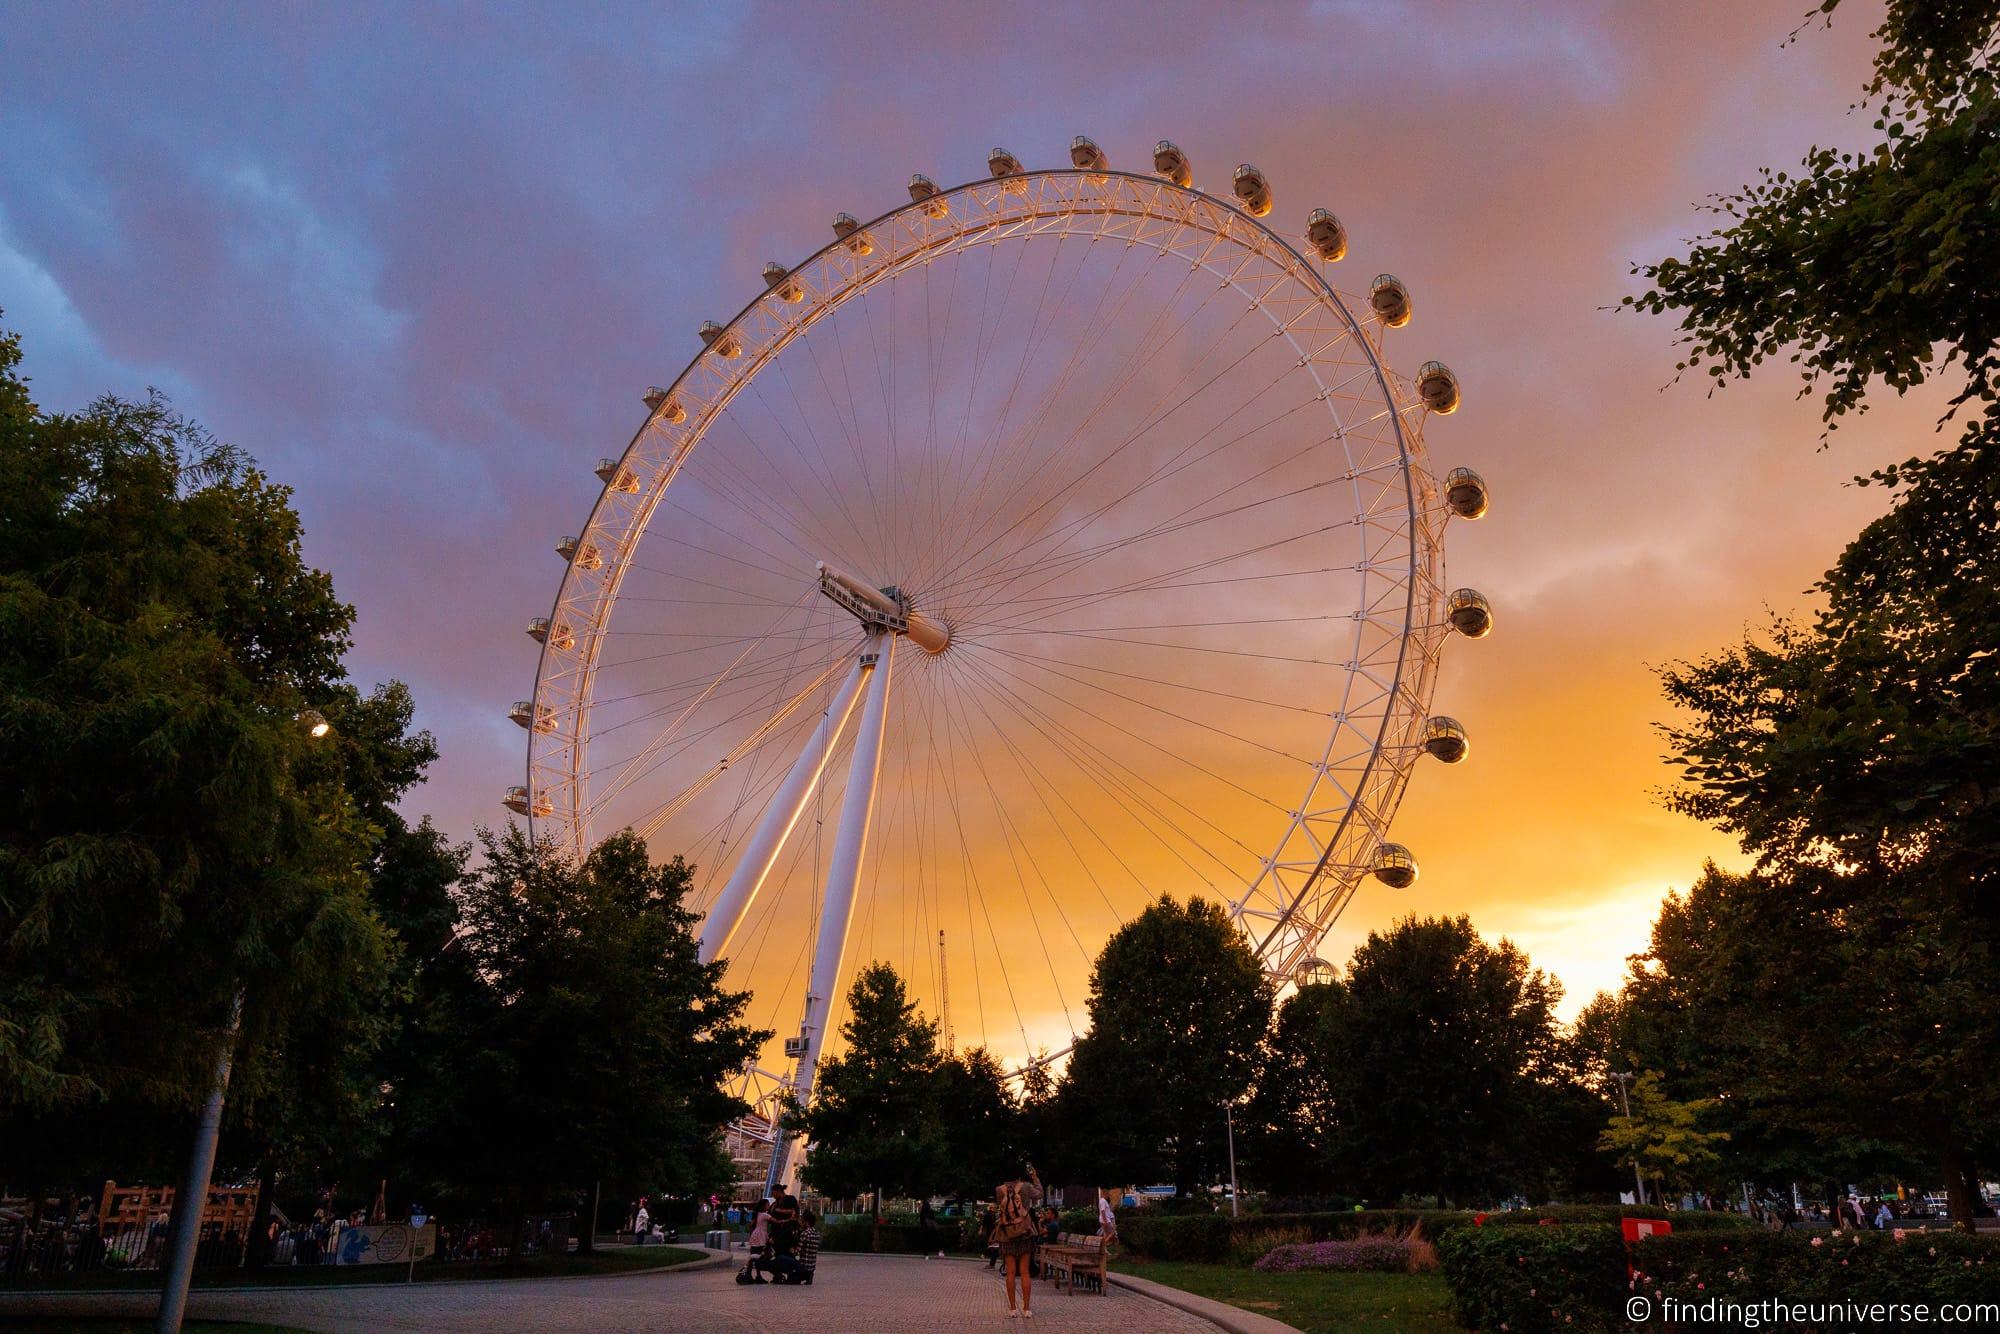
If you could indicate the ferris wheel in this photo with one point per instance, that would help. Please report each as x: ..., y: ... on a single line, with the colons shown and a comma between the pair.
x: 1046, y: 544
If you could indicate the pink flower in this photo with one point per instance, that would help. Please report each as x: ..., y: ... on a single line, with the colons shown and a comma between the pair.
x: 1819, y: 1241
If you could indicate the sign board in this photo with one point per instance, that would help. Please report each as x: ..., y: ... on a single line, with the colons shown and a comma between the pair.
x: 385, y: 1244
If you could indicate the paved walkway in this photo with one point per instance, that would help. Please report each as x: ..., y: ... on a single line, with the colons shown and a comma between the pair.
x: 887, y: 1293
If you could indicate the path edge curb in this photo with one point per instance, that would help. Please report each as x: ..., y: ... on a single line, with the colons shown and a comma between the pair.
x: 1220, y: 1314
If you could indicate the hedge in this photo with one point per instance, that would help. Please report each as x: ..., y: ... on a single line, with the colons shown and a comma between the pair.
x: 1937, y: 1268
x: 857, y: 1234
x: 1566, y: 1276
x: 1156, y: 1236
x: 1684, y: 1220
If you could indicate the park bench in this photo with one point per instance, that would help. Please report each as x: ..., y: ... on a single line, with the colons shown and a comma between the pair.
x: 1075, y: 1259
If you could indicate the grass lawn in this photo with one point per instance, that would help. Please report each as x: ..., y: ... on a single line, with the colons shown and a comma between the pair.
x: 624, y: 1259
x: 1316, y: 1303
x: 112, y: 1325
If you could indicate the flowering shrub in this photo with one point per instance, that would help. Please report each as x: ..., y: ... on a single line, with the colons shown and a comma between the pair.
x: 1931, y: 1267
x: 1521, y: 1279
x: 1381, y: 1254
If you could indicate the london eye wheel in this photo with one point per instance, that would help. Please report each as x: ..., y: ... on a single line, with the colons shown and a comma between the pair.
x: 1048, y: 543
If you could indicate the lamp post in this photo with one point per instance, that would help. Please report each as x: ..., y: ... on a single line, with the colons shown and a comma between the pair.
x: 1229, y: 1121
x: 192, y: 1202
x: 1624, y: 1077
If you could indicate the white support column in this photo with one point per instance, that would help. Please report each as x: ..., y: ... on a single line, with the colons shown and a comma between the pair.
x: 843, y: 874
x: 760, y: 854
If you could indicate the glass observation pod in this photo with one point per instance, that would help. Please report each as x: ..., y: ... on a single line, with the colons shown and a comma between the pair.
x: 1326, y: 236
x: 666, y: 405
x: 1006, y: 168
x: 1394, y: 866
x: 779, y: 279
x: 1445, y: 740
x: 1086, y: 155
x: 1465, y: 491
x: 616, y: 476
x: 579, y: 553
x: 544, y: 631
x: 1390, y: 300
x: 1438, y: 388
x: 848, y: 229
x: 525, y: 713
x: 1170, y: 162
x: 1470, y: 613
x: 923, y: 190
x: 1253, y: 190
x: 518, y: 801
x: 721, y: 340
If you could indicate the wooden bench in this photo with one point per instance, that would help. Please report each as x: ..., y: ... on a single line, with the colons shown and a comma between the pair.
x: 1075, y: 1259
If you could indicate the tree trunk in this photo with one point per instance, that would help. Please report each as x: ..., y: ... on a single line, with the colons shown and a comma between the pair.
x: 258, y: 1251
x: 586, y: 1236
x: 875, y: 1241
x: 1958, y: 1189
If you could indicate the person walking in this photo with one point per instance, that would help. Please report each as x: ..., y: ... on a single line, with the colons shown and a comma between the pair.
x: 642, y: 1223
x: 1014, y: 1229
x: 1107, y: 1218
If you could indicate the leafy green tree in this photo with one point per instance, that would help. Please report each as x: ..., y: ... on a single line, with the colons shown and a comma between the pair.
x: 981, y: 1125
x: 872, y: 1120
x: 171, y: 839
x: 1664, y: 1137
x: 596, y: 1043
x: 1288, y: 1135
x: 1178, y: 1009
x: 1835, y: 1023
x: 1442, y: 1059
x: 1873, y: 265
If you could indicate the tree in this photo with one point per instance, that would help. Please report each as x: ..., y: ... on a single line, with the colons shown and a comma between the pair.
x: 1834, y: 1023
x: 595, y: 1043
x: 1663, y: 1137
x: 1871, y: 265
x: 980, y: 1124
x: 171, y: 840
x: 1443, y: 1064
x: 1178, y: 1008
x: 1289, y: 1132
x: 872, y: 1119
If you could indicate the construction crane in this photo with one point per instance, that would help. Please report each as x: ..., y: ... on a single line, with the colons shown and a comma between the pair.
x: 944, y: 999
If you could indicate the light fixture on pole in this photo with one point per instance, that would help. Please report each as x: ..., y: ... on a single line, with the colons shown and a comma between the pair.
x: 185, y: 1234
x: 1624, y: 1077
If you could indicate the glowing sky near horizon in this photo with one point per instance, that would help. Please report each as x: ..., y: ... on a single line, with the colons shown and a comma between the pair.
x: 421, y: 261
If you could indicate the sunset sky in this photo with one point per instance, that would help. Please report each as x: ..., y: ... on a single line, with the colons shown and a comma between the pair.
x: 422, y: 260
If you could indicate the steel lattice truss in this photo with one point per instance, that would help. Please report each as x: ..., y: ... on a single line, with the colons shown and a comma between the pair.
x: 1393, y: 509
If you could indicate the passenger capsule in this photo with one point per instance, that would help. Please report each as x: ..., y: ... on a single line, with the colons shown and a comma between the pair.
x: 665, y: 404
x: 1394, y: 866
x: 1087, y: 156
x: 1253, y: 191
x: 553, y: 633
x: 1170, y: 162
x: 580, y: 554
x: 923, y: 190
x: 1465, y: 492
x: 616, y: 476
x: 526, y: 714
x: 1002, y: 163
x: 1309, y: 972
x: 849, y: 231
x: 721, y: 340
x: 1445, y: 740
x: 518, y: 801
x: 1390, y: 300
x: 1438, y: 388
x: 1469, y: 612
x: 779, y: 279
x: 1326, y: 234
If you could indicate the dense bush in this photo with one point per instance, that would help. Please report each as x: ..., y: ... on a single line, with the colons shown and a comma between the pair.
x: 898, y: 1238
x: 1159, y: 1236
x: 1937, y: 1268
x: 1684, y: 1220
x: 1381, y: 1254
x: 1567, y: 1276
x: 1305, y: 1204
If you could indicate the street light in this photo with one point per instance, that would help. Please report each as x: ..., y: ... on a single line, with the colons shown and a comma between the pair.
x: 1624, y: 1078
x: 192, y: 1202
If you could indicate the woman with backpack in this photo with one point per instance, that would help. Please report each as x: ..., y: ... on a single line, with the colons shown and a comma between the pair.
x: 1014, y: 1231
